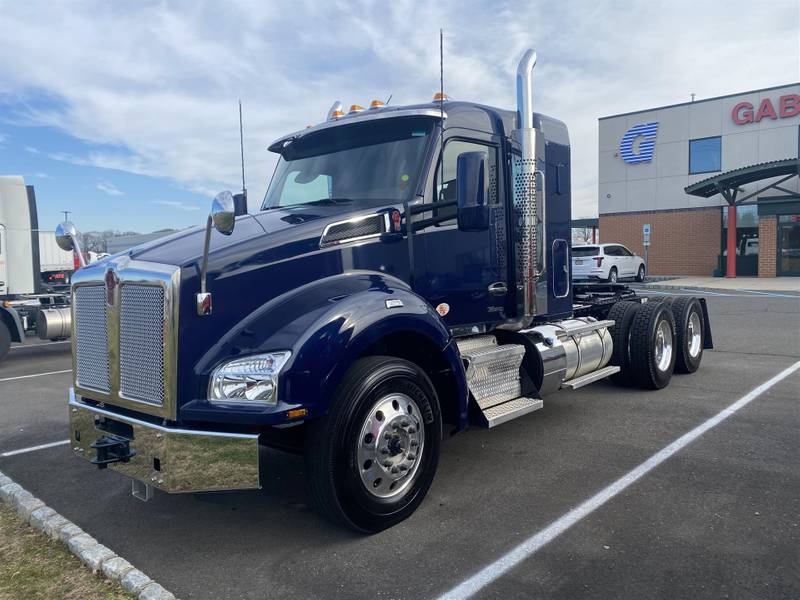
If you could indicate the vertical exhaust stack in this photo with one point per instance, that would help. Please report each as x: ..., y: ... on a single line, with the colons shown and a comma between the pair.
x: 529, y: 225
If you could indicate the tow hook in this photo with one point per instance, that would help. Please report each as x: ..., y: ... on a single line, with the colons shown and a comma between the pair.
x: 111, y: 449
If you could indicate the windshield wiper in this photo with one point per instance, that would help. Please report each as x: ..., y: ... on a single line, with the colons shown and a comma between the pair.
x: 320, y: 202
x: 330, y: 201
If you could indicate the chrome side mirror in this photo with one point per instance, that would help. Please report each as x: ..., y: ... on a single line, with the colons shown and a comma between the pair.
x: 223, y: 213
x: 67, y: 239
x: 66, y: 233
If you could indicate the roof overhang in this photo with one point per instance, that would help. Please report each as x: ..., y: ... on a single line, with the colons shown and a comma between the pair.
x: 727, y: 182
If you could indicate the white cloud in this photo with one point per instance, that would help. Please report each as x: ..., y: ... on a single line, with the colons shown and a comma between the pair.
x: 109, y: 188
x: 3, y: 138
x: 165, y: 84
x: 176, y: 204
x: 41, y: 176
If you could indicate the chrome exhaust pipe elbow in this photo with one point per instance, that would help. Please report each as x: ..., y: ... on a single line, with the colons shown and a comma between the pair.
x: 525, y: 89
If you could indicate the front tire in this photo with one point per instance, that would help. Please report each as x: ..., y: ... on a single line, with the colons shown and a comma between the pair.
x: 640, y: 274
x: 612, y: 275
x: 653, y: 345
x: 372, y: 459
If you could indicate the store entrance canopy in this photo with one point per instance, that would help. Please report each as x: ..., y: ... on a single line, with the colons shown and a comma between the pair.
x: 728, y: 183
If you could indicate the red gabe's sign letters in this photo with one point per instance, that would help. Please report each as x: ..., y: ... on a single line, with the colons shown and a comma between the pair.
x: 745, y: 112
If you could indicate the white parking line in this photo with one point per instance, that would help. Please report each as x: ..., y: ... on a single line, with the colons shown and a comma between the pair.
x: 534, y: 543
x: 34, y: 448
x: 35, y: 375
x: 772, y: 294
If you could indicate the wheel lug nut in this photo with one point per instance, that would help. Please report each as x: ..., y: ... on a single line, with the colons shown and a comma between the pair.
x: 384, y: 451
x: 387, y: 463
x: 411, y: 456
x: 404, y: 423
x: 395, y: 469
x: 403, y: 468
x: 414, y: 443
x: 412, y: 430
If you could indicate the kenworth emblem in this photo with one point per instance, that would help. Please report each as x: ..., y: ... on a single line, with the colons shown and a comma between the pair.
x: 639, y: 143
x: 111, y: 285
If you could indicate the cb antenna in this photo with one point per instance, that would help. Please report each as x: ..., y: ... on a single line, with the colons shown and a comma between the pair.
x: 441, y: 95
x: 241, y: 147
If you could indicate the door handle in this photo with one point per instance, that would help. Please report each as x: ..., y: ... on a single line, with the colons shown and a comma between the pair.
x: 498, y: 289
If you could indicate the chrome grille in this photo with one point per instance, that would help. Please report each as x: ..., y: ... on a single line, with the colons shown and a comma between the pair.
x: 141, y: 343
x: 91, y: 338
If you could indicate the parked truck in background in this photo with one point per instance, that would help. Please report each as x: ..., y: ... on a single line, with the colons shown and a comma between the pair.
x: 34, y: 271
x: 408, y: 272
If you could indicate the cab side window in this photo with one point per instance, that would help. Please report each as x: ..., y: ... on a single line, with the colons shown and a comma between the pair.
x: 444, y: 187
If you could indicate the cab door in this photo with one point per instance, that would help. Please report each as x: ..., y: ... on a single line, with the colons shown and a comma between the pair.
x: 464, y: 275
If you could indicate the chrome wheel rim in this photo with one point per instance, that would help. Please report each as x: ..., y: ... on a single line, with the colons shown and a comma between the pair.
x: 663, y: 346
x: 694, y: 335
x: 390, y: 446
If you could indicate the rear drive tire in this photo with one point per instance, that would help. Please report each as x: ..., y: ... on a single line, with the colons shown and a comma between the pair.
x: 612, y: 275
x: 652, y: 345
x: 5, y: 340
x: 372, y: 458
x: 622, y: 314
x: 640, y: 274
x: 689, y: 333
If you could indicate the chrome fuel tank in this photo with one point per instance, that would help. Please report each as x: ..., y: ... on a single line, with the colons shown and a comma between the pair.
x: 570, y: 349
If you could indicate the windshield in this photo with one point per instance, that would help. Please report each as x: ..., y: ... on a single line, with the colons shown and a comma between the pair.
x: 364, y: 164
x: 584, y: 250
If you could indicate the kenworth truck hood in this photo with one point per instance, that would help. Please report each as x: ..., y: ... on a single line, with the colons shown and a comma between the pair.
x: 269, y: 254
x: 185, y: 247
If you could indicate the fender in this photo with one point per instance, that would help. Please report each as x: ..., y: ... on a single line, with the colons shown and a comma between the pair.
x: 11, y: 319
x: 326, y: 324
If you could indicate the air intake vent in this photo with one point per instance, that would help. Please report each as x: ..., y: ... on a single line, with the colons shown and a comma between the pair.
x: 353, y: 230
x: 91, y: 338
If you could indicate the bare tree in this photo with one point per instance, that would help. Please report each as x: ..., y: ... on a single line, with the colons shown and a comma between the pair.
x: 92, y: 241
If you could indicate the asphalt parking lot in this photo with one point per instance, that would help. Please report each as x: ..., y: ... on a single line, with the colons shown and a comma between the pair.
x: 720, y: 518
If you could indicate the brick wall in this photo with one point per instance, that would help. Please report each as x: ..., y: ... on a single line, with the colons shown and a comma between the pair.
x: 682, y: 242
x: 767, y: 246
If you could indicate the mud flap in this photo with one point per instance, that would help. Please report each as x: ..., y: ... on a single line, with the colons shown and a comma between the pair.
x: 708, y: 341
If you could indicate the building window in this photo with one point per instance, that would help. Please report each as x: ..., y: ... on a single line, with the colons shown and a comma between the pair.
x: 746, y: 230
x: 705, y: 155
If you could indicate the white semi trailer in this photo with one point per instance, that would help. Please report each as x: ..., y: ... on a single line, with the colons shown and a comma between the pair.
x: 26, y: 256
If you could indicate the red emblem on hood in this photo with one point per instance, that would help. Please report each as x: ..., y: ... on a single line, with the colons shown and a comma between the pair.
x: 111, y: 286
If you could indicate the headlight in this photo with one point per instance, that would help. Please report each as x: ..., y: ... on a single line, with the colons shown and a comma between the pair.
x: 252, y: 379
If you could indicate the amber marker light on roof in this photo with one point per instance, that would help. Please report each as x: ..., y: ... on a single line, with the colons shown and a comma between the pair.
x: 439, y: 97
x: 336, y: 114
x: 376, y: 104
x: 355, y: 108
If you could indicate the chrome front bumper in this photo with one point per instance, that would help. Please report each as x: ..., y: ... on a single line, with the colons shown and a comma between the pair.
x: 172, y: 460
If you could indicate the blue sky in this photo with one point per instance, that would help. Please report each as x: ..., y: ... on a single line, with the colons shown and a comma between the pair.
x: 126, y: 113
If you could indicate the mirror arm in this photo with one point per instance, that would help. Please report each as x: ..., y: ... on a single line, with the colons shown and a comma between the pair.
x: 76, y: 247
x: 204, y: 266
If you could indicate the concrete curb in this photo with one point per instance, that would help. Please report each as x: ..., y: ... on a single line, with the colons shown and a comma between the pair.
x: 91, y: 553
x: 719, y: 290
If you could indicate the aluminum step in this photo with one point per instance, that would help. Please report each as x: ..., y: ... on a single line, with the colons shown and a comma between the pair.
x: 579, y: 382
x: 473, y: 343
x: 511, y: 409
x: 493, y: 373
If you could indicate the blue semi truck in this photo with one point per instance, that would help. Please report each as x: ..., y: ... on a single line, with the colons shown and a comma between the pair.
x: 408, y: 274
